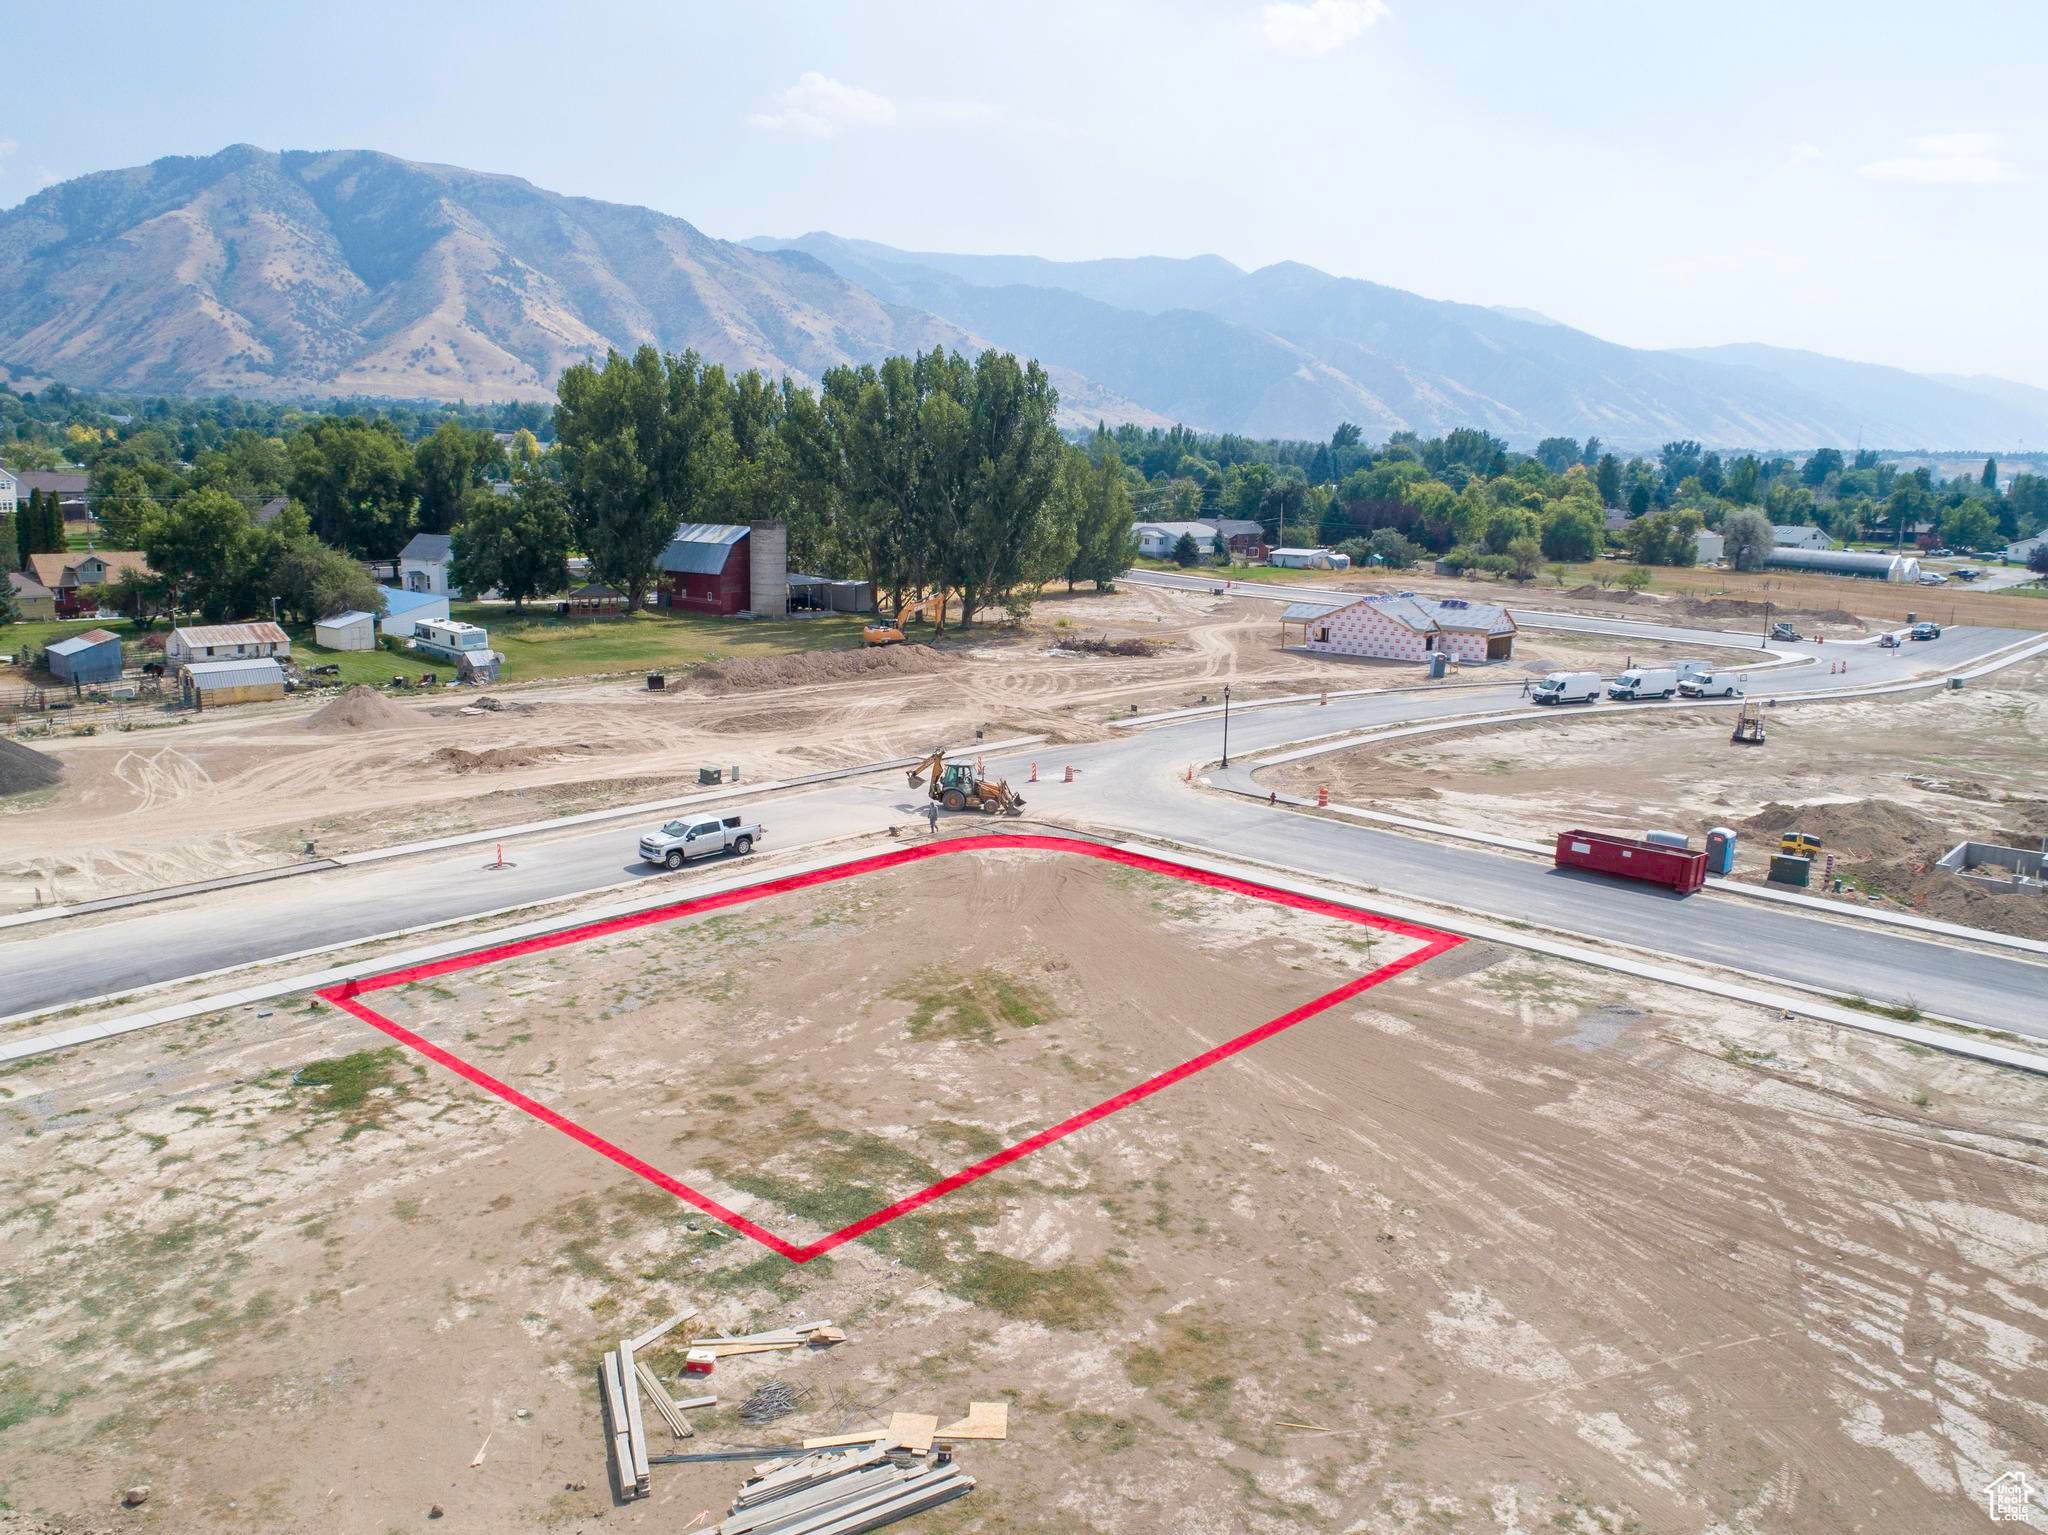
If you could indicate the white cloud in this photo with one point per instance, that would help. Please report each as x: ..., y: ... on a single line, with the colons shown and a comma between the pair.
x: 1321, y: 26
x: 817, y: 108
x: 1805, y: 152
x: 7, y: 147
x: 1946, y: 159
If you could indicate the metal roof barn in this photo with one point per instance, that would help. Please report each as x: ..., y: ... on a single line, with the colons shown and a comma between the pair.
x: 94, y: 656
x: 1847, y: 562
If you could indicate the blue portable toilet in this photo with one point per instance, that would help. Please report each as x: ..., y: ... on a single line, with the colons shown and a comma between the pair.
x: 1721, y: 850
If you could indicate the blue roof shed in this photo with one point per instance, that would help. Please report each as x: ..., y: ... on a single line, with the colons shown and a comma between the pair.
x: 94, y: 656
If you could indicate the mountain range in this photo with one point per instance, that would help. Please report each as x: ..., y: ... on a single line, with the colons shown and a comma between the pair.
x: 351, y: 272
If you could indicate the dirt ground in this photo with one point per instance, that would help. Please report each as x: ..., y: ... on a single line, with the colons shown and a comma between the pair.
x: 1888, y: 784
x: 251, y: 789
x: 1495, y: 1246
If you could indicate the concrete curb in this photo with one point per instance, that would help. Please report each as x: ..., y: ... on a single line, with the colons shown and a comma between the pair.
x: 497, y: 834
x: 1280, y: 876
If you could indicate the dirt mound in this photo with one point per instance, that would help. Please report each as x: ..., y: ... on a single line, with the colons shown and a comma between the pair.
x: 1855, y: 830
x: 1607, y: 594
x: 749, y: 673
x: 360, y: 708
x: 1723, y: 610
x: 23, y: 768
x: 498, y: 758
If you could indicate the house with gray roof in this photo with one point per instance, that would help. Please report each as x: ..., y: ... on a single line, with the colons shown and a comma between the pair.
x: 1404, y: 626
x: 423, y: 564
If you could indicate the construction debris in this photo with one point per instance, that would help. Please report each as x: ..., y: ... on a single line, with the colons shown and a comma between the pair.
x: 842, y: 1493
x: 775, y: 1400
x: 984, y: 1420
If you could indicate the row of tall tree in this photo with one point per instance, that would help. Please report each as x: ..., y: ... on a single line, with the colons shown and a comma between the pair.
x: 924, y: 474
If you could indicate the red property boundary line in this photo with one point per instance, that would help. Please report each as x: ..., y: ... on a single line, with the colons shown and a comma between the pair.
x: 346, y: 996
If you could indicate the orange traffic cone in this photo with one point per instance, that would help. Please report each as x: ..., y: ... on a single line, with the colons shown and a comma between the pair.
x: 1070, y: 772
x: 1322, y: 796
x: 1034, y: 773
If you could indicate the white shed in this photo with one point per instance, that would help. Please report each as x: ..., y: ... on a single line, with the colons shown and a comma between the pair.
x: 354, y: 630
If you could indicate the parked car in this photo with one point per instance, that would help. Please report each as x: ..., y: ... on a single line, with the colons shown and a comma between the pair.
x: 1888, y: 641
x: 1933, y: 578
x: 1925, y: 631
x: 1712, y: 685
x: 1640, y: 682
x: 695, y: 836
x: 1968, y: 575
x: 1567, y: 688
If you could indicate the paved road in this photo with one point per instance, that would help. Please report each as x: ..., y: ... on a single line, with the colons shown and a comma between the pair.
x: 1133, y: 784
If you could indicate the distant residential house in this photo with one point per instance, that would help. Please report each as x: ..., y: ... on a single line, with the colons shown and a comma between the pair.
x: 423, y: 564
x: 1305, y: 559
x: 2023, y: 551
x: 32, y: 599
x: 69, y: 489
x: 226, y: 642
x: 1158, y: 540
x: 1240, y: 534
x: 11, y: 495
x: 1798, y: 536
x: 1617, y: 518
x: 266, y: 514
x: 404, y: 611
x: 1404, y: 626
x: 76, y: 579
x: 1709, y: 547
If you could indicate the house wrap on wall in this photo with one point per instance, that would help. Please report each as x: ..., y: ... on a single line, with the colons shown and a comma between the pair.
x: 1404, y: 626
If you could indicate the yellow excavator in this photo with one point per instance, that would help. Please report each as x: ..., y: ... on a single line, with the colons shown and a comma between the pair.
x: 890, y: 631
x: 958, y: 787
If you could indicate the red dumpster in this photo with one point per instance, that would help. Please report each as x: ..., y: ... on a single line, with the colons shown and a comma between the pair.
x: 1683, y: 869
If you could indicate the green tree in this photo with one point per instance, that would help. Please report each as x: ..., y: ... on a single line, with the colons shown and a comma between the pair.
x: 2037, y: 559
x: 1740, y: 482
x: 446, y: 466
x: 1607, y: 479
x: 1009, y: 538
x: 1969, y: 525
x: 1185, y: 550
x: 309, y: 580
x: 354, y: 478
x: 1746, y: 538
x: 2027, y: 504
x: 1989, y: 478
x: 1557, y: 453
x: 644, y: 438
x: 125, y: 508
x: 1639, y: 499
x: 1525, y: 560
x: 198, y: 547
x: 517, y: 545
x: 1573, y: 531
x: 1104, y: 541
x: 1819, y: 465
x: 1633, y: 579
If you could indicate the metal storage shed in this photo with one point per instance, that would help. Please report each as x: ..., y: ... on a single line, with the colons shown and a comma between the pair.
x: 215, y: 684
x: 94, y: 656
x: 403, y: 610
x: 354, y: 630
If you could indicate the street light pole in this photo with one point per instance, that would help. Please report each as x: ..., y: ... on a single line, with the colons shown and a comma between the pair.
x: 1226, y: 724
x: 1765, y: 642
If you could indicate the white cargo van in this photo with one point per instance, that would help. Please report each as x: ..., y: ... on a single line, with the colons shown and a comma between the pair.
x: 1567, y: 688
x: 1645, y: 682
x: 1712, y: 685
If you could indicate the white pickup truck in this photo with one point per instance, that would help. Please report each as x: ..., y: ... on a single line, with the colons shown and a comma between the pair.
x: 695, y: 836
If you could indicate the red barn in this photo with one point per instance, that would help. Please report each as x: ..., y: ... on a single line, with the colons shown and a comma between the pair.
x: 707, y: 568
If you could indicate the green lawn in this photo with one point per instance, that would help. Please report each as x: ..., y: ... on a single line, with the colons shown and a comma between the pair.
x: 536, y: 645
x: 42, y: 631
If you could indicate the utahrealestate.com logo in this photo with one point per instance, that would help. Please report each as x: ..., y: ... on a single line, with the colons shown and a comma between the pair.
x: 2010, y: 1498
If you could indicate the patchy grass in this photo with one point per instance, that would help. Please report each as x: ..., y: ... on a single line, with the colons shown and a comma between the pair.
x: 537, y: 644
x: 1903, y: 1013
x: 357, y: 1088
x: 972, y: 1007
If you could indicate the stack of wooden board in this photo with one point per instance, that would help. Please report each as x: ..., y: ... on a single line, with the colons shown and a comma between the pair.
x: 623, y: 1376
x: 842, y: 1492
x: 916, y: 1431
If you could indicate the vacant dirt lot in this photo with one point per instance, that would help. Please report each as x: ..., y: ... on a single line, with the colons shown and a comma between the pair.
x: 1889, y: 784
x: 1495, y: 1246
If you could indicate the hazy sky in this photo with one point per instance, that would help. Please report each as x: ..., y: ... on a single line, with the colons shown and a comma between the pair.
x: 1864, y: 178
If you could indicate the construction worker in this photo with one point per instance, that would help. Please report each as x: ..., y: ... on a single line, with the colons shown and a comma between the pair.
x: 931, y: 812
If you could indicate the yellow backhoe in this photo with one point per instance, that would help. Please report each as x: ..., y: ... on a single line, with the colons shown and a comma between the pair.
x: 890, y: 631
x: 958, y: 787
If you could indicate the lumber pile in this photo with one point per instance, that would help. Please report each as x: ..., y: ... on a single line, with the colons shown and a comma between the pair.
x: 843, y: 1492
